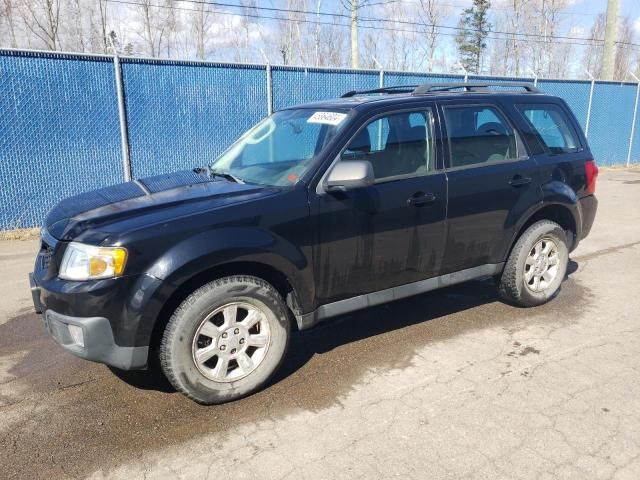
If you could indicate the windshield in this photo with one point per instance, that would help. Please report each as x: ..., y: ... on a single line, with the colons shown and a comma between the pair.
x: 279, y: 149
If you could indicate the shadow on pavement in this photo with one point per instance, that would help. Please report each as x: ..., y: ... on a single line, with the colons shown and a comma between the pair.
x: 357, y: 326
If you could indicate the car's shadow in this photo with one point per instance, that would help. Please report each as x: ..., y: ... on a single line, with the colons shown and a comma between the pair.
x: 356, y: 326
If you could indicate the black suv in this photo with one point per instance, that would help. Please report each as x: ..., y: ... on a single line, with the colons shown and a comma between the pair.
x: 320, y: 209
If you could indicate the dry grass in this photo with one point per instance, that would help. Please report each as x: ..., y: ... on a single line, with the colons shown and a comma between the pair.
x: 634, y: 166
x: 20, y: 234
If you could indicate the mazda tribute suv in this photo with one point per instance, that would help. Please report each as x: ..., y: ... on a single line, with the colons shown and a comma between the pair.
x: 318, y: 210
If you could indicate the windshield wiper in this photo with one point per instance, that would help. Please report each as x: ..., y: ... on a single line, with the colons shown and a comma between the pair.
x: 226, y: 175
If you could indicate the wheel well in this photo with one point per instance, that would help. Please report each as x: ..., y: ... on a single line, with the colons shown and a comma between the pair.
x: 269, y: 274
x: 556, y: 213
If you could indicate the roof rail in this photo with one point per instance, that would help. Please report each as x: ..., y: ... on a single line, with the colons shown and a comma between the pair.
x: 396, y: 89
x: 428, y: 88
x: 470, y: 87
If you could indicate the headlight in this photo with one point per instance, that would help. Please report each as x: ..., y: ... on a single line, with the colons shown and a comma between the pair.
x: 87, y: 262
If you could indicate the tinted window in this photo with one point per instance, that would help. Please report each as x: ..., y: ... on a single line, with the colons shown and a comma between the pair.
x: 553, y: 127
x: 396, y: 145
x: 479, y: 134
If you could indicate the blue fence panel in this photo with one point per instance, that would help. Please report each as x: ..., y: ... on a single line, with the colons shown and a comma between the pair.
x: 486, y: 78
x: 635, y: 150
x: 183, y: 115
x: 611, y: 117
x: 58, y: 132
x: 399, y: 78
x: 294, y: 85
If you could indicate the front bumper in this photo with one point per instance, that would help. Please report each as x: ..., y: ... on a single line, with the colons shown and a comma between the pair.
x: 95, y: 342
x: 115, y: 316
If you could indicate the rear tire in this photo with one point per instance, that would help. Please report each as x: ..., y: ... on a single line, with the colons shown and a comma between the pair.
x: 536, y: 266
x: 225, y: 340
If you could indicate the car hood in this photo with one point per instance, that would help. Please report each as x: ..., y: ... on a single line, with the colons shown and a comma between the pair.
x: 169, y: 196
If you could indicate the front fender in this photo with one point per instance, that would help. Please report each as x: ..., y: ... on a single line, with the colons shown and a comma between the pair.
x: 217, y: 247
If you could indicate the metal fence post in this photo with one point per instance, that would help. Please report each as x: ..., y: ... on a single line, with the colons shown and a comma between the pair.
x: 269, y: 90
x: 588, y: 121
x: 379, y: 65
x: 122, y: 113
x: 633, y: 123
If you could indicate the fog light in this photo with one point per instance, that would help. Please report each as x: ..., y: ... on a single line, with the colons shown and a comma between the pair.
x: 76, y: 335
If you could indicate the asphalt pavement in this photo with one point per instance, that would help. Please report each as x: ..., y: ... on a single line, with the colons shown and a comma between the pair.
x: 448, y: 385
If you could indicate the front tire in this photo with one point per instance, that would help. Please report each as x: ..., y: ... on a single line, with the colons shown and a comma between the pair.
x: 536, y: 266
x: 225, y: 340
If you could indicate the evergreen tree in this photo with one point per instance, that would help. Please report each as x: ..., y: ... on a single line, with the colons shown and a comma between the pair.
x: 471, y: 39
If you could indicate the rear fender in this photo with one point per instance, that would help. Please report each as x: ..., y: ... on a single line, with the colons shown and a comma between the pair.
x: 554, y: 194
x: 559, y: 193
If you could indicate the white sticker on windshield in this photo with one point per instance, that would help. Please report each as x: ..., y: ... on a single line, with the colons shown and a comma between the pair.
x: 328, y: 118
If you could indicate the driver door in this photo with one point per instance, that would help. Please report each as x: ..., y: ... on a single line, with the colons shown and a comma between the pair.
x: 391, y: 233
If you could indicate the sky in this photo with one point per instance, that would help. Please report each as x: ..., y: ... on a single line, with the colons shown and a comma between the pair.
x: 263, y: 38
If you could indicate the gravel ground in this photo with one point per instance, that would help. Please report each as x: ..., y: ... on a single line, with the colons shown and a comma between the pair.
x: 451, y: 384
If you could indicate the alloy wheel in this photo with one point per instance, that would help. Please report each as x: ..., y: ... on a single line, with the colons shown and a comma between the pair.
x: 542, y: 265
x: 231, y: 342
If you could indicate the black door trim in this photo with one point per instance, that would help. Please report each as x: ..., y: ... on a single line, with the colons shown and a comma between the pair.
x: 360, y: 302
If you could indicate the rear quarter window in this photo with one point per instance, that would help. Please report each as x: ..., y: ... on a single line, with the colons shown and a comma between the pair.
x: 553, y: 127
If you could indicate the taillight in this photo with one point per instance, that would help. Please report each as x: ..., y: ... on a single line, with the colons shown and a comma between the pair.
x: 591, y: 171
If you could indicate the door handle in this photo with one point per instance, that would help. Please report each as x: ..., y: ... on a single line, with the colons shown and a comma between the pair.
x: 420, y: 199
x: 519, y: 180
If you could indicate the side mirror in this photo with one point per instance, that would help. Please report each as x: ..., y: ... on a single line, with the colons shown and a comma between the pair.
x: 349, y: 175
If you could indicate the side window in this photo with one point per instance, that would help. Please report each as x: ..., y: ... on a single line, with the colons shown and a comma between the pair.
x: 553, y: 127
x: 397, y: 145
x: 478, y: 135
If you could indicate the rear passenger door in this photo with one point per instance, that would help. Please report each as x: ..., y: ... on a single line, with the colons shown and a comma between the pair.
x: 391, y: 233
x: 491, y: 182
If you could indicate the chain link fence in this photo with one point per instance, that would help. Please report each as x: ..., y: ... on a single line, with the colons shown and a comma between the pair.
x: 61, y: 133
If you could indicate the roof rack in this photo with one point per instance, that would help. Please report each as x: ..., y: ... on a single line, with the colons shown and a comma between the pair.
x: 471, y: 87
x: 444, y: 87
x: 396, y: 89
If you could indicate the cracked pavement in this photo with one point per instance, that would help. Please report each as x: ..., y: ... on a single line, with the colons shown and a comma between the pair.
x: 448, y: 385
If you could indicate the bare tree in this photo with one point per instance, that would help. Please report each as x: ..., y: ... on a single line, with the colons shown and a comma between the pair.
x: 294, y: 44
x: 549, y: 54
x: 42, y: 19
x: 156, y: 26
x: 172, y: 29
x: 592, y: 58
x: 518, y: 12
x: 201, y: 20
x: 624, y: 57
x: 149, y: 34
x: 74, y: 33
x: 98, y: 26
x: 333, y: 45
x: 371, y: 49
x: 354, y: 7
x: 432, y: 14
x: 317, y: 33
x: 8, y: 17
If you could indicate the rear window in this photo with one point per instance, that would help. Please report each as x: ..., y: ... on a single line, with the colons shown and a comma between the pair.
x: 553, y: 127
